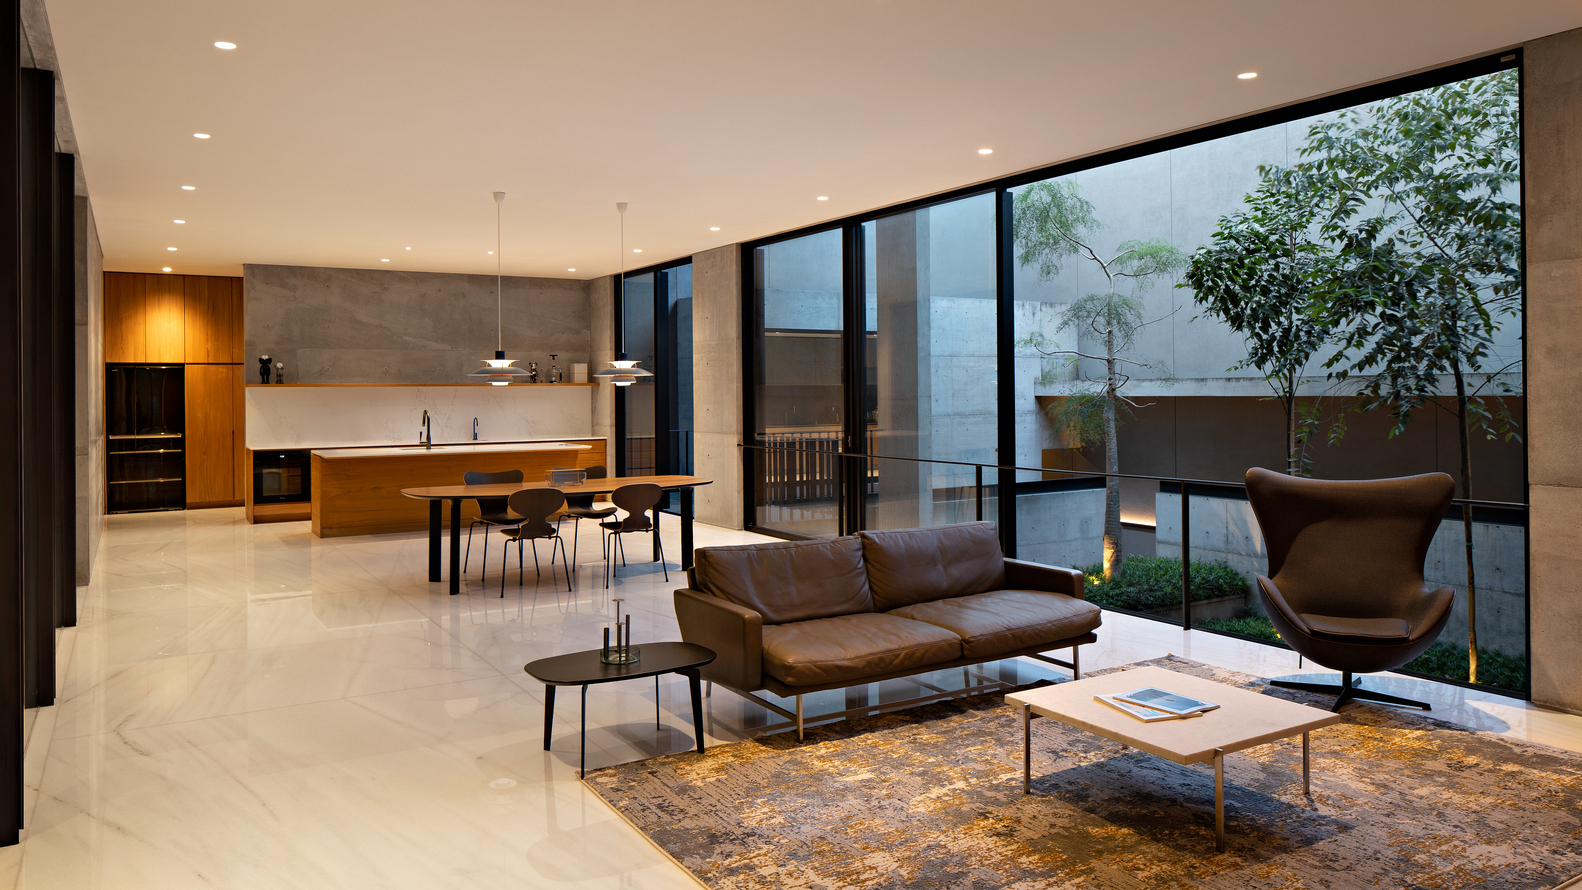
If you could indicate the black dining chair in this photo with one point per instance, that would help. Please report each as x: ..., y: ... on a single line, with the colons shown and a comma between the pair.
x: 580, y: 507
x: 534, y: 508
x: 491, y: 511
x: 636, y: 499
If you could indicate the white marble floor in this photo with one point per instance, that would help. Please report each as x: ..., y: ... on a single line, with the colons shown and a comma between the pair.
x: 251, y: 707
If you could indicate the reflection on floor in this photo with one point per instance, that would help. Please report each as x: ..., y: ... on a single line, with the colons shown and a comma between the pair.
x: 248, y: 706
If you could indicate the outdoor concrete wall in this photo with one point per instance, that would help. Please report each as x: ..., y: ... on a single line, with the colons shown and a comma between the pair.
x: 1062, y: 528
x: 717, y: 384
x: 1225, y: 529
x: 89, y: 451
x: 1553, y: 122
x: 375, y: 326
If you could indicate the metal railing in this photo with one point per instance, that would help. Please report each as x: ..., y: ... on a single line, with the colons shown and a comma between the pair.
x: 790, y: 468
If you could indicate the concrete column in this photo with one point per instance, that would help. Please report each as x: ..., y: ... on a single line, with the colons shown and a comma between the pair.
x: 89, y: 460
x: 905, y: 373
x: 717, y: 384
x: 1553, y: 128
x: 601, y: 324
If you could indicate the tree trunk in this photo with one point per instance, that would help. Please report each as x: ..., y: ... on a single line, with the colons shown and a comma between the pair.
x: 1293, y: 459
x: 1466, y: 524
x: 1112, y: 464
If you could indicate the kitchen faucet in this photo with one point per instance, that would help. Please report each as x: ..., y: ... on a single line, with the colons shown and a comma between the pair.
x: 425, y: 437
x: 475, y: 429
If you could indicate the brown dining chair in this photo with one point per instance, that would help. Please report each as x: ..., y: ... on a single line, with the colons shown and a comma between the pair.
x: 636, y: 499
x: 580, y: 507
x: 492, y: 512
x: 534, y: 508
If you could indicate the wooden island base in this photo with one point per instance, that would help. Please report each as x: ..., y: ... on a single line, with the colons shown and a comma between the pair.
x: 361, y: 495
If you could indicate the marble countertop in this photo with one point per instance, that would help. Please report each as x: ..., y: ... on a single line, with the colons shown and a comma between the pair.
x: 462, y: 448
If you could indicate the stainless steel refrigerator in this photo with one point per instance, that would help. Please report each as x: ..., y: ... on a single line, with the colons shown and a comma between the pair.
x: 145, y: 418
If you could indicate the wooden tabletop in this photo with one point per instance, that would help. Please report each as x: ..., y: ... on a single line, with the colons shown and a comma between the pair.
x: 1242, y: 720
x: 582, y: 668
x: 592, y: 486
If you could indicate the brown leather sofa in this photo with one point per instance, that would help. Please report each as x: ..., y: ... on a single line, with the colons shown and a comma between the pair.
x: 794, y: 617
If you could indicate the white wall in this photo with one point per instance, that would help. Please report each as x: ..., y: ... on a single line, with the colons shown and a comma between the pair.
x: 328, y: 416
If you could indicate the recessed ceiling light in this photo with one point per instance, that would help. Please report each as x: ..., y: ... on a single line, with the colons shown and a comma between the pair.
x: 409, y: 248
x: 571, y: 270
x: 491, y: 253
x: 823, y: 197
x: 384, y: 261
x: 188, y: 188
x: 985, y: 151
x: 179, y: 222
x: 714, y: 228
x: 224, y: 44
x: 170, y: 248
x: 166, y: 269
x: 200, y: 135
x: 637, y: 250
x: 1247, y: 75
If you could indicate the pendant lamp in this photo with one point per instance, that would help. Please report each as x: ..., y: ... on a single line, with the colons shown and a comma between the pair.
x: 623, y: 370
x: 498, y: 370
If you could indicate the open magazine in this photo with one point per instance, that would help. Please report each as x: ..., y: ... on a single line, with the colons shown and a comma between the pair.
x: 1169, y: 702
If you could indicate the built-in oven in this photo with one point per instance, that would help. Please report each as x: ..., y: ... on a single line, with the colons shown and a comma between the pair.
x: 282, y: 477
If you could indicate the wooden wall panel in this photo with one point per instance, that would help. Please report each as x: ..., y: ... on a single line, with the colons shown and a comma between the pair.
x: 125, y: 339
x: 213, y: 319
x: 211, y: 434
x: 242, y: 475
x: 164, y: 318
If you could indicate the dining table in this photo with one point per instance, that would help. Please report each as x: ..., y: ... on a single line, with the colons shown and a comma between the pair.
x: 439, y: 496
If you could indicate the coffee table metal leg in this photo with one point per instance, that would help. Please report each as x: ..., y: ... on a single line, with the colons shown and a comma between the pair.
x: 1027, y: 749
x: 549, y: 714
x: 582, y: 759
x: 1307, y: 788
x: 656, y: 701
x: 694, y: 680
x: 1219, y: 799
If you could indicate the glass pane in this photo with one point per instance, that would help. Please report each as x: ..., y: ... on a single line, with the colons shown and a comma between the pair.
x: 676, y: 377
x: 638, y: 317
x: 797, y: 384
x: 930, y: 353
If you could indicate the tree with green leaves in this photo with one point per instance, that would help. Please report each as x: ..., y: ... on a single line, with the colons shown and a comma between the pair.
x: 1265, y: 274
x: 1425, y: 214
x: 1052, y: 224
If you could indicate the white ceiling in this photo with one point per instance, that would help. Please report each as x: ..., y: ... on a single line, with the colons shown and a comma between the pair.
x: 345, y: 131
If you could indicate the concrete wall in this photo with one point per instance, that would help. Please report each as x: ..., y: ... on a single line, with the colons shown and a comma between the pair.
x: 89, y: 451
x: 374, y: 326
x: 1225, y: 530
x: 601, y: 323
x: 1553, y: 123
x: 1062, y: 528
x: 717, y: 376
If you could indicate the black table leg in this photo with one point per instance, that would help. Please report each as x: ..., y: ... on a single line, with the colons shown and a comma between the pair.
x: 686, y: 528
x: 549, y: 714
x: 582, y: 761
x: 455, y: 546
x: 693, y: 679
x: 433, y: 540
x: 655, y: 540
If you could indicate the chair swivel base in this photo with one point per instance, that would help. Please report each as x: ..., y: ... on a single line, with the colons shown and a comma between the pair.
x: 1350, y: 689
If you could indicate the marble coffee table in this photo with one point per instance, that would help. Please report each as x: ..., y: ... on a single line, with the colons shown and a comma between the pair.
x: 1242, y: 720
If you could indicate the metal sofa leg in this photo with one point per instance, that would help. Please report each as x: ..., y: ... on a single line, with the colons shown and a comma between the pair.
x: 708, y: 689
x: 799, y: 718
x: 1076, y: 669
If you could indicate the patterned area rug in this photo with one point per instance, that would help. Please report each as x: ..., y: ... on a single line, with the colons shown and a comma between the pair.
x: 932, y: 798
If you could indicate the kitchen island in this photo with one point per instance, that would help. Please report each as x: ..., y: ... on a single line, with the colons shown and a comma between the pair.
x: 357, y: 491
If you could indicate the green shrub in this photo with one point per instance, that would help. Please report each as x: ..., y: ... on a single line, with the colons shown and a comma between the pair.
x: 1145, y: 583
x: 1248, y: 623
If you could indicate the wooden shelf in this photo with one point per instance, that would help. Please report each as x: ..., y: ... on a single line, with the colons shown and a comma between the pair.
x: 409, y: 385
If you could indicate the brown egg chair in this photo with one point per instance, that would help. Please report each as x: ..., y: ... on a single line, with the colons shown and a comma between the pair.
x: 1345, y: 585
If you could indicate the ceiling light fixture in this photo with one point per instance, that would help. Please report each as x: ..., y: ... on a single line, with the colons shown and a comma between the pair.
x: 637, y: 250
x: 188, y: 188
x: 714, y: 228
x: 1247, y: 75
x: 571, y: 270
x: 384, y: 261
x: 823, y: 197
x: 170, y: 248
x: 409, y: 248
x: 167, y: 269
x: 622, y: 371
x: 985, y: 151
x: 224, y: 44
x: 200, y: 135
x: 179, y: 222
x: 498, y: 370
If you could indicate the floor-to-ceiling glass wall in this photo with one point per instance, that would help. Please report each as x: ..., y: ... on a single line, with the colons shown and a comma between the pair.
x: 930, y: 387
x: 654, y: 413
x: 635, y: 407
x: 797, y: 380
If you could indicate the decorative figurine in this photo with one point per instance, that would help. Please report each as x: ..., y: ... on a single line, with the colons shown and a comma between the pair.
x: 623, y: 652
x: 280, y: 372
x: 532, y: 372
x: 554, y: 370
x: 263, y: 369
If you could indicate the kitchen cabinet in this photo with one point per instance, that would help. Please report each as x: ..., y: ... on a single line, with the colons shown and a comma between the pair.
x: 215, y: 440
x: 213, y: 318
x: 164, y: 318
x: 124, y: 314
x: 172, y: 318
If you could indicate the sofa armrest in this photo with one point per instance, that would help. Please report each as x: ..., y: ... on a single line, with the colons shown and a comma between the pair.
x: 735, y: 633
x: 1023, y: 575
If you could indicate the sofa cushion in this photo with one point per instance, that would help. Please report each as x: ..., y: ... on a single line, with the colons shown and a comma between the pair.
x: 851, y: 647
x: 787, y: 580
x: 1006, y: 620
x: 1364, y: 630
x: 918, y: 565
